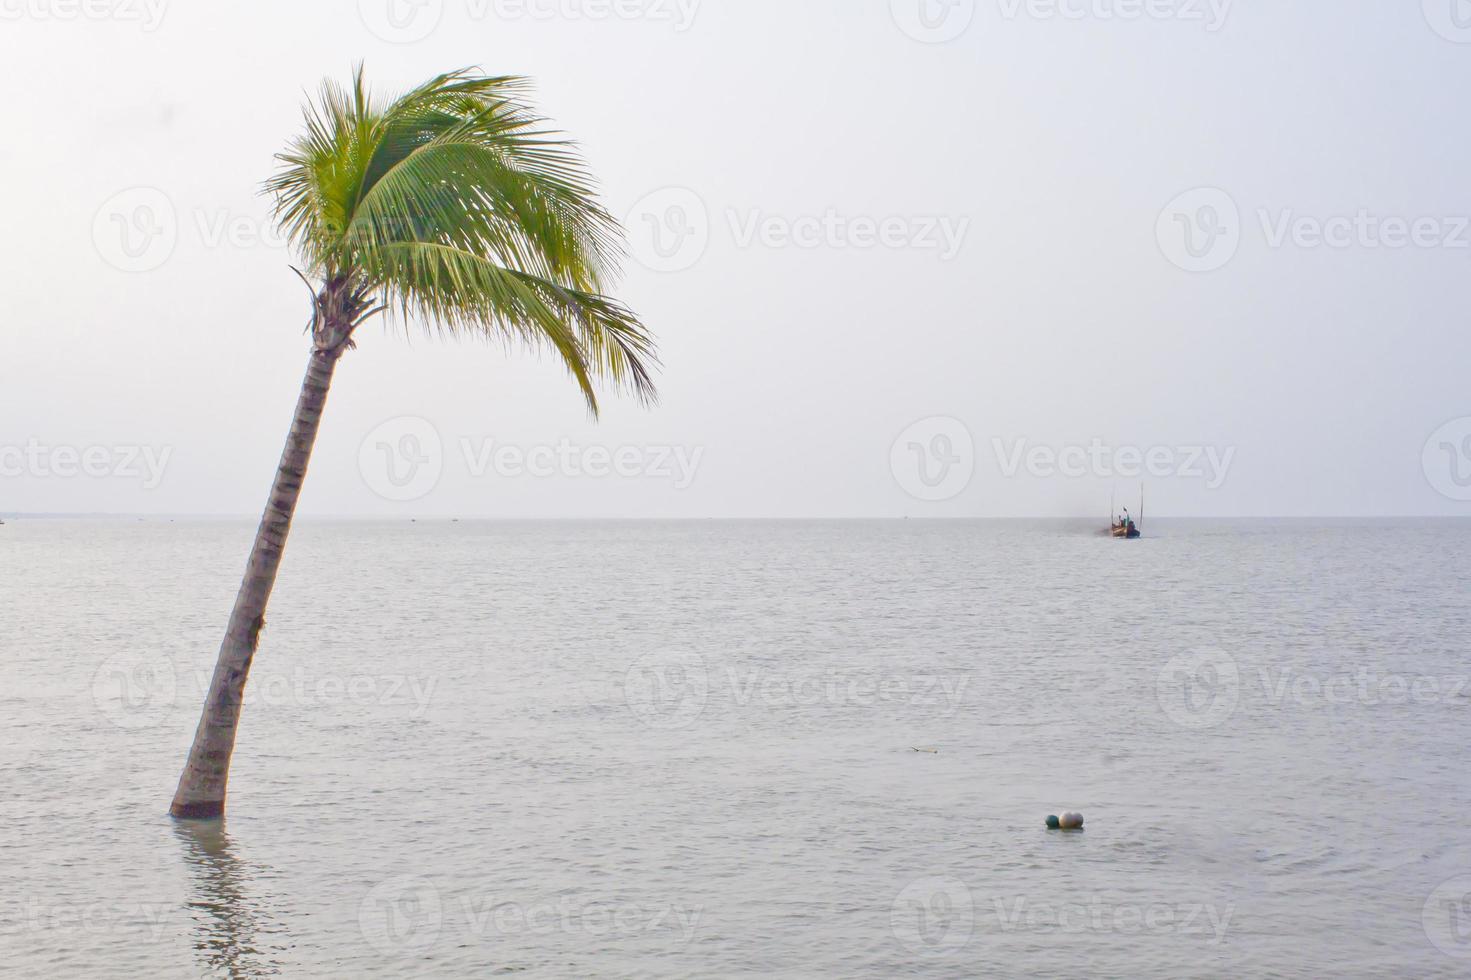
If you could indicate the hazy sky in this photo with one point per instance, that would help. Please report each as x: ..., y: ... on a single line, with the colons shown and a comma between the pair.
x: 916, y: 257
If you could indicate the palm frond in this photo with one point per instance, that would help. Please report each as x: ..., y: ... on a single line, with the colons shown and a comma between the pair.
x: 468, y: 213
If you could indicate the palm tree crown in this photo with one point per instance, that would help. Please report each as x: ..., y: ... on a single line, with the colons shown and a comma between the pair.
x: 455, y: 206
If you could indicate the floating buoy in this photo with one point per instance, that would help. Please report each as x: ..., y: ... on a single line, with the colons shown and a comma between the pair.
x: 1052, y: 822
x: 1068, y: 821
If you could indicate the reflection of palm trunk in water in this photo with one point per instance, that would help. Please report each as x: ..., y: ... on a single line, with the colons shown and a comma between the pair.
x: 233, y: 930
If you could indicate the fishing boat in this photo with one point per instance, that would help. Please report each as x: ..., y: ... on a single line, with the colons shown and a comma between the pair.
x: 1124, y: 525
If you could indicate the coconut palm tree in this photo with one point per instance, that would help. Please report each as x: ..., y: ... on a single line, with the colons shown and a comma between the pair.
x: 453, y: 208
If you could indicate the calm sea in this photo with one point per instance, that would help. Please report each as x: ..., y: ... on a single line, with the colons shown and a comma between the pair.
x: 745, y: 748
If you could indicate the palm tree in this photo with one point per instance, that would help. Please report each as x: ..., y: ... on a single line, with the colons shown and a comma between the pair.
x: 453, y: 207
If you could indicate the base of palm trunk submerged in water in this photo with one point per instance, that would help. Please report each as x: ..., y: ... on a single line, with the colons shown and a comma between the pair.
x: 201, y: 792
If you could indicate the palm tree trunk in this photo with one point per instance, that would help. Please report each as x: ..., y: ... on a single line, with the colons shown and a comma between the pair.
x: 201, y: 792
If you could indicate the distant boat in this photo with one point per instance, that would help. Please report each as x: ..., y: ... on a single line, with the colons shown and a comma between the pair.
x: 1125, y: 529
x: 1124, y: 525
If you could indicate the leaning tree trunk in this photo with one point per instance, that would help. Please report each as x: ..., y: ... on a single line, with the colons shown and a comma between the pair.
x: 201, y: 792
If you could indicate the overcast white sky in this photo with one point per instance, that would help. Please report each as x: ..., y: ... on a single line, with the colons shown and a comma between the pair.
x: 896, y: 257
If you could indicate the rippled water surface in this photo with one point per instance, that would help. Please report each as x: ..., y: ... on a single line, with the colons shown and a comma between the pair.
x: 689, y: 749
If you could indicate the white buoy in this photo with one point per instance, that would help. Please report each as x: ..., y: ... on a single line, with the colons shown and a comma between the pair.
x: 1071, y: 821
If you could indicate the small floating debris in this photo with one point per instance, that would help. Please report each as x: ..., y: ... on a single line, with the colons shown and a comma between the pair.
x: 1068, y: 821
x: 930, y: 751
